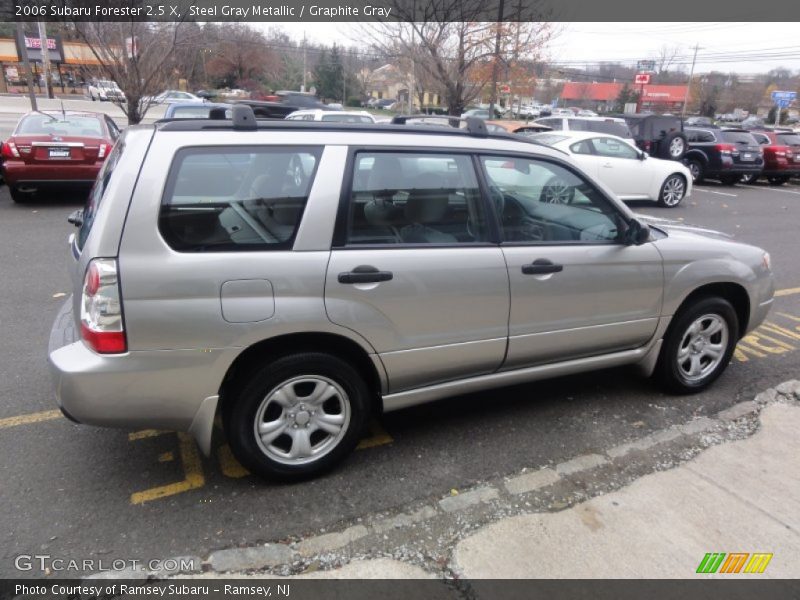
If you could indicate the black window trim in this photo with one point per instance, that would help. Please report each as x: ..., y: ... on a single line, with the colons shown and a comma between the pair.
x: 172, y: 175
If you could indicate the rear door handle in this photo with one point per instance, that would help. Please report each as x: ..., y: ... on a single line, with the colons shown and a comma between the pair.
x: 365, y: 274
x: 608, y: 165
x: 541, y: 266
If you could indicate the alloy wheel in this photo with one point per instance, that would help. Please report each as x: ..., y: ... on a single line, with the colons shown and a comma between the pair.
x: 702, y: 347
x: 674, y: 190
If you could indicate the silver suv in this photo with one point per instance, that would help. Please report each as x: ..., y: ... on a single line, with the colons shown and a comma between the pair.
x: 297, y: 278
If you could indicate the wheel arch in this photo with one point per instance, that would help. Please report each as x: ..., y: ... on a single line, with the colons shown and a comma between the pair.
x: 271, y: 348
x: 734, y: 293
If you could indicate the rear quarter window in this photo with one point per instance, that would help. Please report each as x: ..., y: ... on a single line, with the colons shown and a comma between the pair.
x: 739, y: 137
x: 236, y: 198
x: 98, y: 191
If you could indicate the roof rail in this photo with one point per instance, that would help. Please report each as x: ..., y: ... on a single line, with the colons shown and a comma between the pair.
x: 475, y: 127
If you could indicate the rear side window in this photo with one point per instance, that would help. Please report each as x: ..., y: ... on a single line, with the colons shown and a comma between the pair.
x: 609, y: 128
x: 789, y: 139
x: 97, y: 193
x: 236, y: 198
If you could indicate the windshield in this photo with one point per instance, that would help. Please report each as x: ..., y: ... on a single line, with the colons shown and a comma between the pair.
x: 548, y: 139
x: 41, y: 124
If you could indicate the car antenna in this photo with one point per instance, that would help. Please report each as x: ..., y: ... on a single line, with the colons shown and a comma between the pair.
x: 63, y: 112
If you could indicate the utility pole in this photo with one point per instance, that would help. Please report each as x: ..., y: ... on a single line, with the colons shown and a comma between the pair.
x: 48, y: 83
x: 495, y: 65
x: 303, y: 89
x: 413, y: 83
x: 26, y: 64
x: 689, y: 84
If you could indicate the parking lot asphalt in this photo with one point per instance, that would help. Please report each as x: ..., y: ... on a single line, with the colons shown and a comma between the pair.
x: 77, y: 492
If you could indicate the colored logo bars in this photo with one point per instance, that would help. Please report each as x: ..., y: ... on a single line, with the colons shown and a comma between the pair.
x: 736, y: 562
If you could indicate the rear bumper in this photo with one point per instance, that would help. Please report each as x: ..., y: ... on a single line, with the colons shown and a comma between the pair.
x: 160, y: 389
x: 52, y: 176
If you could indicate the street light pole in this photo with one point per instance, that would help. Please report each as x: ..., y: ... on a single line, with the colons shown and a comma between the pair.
x: 689, y: 84
x: 48, y: 88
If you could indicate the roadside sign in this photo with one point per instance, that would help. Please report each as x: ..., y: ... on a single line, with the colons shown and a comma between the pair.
x: 645, y: 65
x: 505, y: 89
x: 783, y: 98
x: 642, y: 78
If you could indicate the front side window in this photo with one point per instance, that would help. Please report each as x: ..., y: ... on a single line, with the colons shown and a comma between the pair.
x: 611, y: 148
x: 236, y: 198
x: 415, y: 198
x: 541, y: 202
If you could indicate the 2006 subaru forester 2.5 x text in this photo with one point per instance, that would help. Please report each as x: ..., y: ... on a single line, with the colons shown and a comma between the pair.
x: 296, y: 277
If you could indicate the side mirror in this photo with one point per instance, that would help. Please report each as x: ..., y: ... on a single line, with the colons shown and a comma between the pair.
x: 638, y: 233
x: 643, y: 156
x: 76, y: 218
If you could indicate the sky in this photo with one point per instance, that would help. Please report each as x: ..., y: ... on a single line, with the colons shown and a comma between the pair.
x: 737, y: 47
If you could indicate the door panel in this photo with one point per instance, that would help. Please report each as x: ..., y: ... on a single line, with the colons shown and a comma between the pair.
x: 621, y: 169
x: 576, y: 290
x: 606, y: 298
x: 443, y: 315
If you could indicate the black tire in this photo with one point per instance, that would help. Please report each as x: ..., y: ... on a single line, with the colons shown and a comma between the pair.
x: 728, y: 179
x: 18, y: 196
x: 239, y: 419
x: 557, y: 191
x: 749, y: 178
x: 669, y: 372
x: 674, y: 146
x: 673, y: 187
x: 778, y: 179
x: 697, y: 170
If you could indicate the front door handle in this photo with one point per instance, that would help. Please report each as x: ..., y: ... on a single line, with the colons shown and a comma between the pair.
x: 541, y: 266
x: 365, y: 274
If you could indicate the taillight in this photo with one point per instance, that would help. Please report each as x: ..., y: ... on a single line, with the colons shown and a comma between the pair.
x: 101, y: 310
x: 727, y: 149
x: 102, y: 152
x: 10, y: 150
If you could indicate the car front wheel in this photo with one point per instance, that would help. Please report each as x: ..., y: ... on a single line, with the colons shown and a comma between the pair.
x: 778, y: 179
x: 673, y: 191
x: 698, y: 345
x: 298, y: 416
x: 696, y: 169
x: 749, y: 178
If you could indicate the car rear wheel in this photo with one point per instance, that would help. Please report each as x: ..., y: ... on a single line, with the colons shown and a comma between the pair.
x: 697, y: 170
x: 672, y: 191
x: 698, y: 345
x: 778, y: 179
x: 749, y: 178
x: 675, y: 146
x: 19, y: 196
x: 298, y: 416
x: 557, y: 191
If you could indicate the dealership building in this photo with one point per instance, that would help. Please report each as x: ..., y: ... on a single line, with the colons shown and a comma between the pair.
x: 603, y: 96
x: 70, y: 64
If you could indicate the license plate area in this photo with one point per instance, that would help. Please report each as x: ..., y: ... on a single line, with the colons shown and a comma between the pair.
x: 748, y: 156
x: 58, y: 153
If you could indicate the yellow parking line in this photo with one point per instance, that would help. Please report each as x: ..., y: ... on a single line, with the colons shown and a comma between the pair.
x: 143, y: 434
x: 788, y: 291
x: 47, y: 415
x: 193, y: 471
x: 378, y: 437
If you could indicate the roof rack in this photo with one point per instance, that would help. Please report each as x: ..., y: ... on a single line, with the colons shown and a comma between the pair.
x: 475, y: 127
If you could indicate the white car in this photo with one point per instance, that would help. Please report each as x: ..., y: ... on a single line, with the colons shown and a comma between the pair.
x: 170, y: 96
x: 104, y: 90
x: 332, y: 116
x: 630, y: 173
x: 585, y: 112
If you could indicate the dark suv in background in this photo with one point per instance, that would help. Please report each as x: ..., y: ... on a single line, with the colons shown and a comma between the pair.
x: 725, y: 154
x: 661, y: 136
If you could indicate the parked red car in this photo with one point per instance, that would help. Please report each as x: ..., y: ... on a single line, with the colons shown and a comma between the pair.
x: 56, y: 150
x: 781, y: 156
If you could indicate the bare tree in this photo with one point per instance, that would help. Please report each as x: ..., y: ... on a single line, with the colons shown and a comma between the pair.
x: 139, y: 56
x: 451, y: 42
x: 666, y: 57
